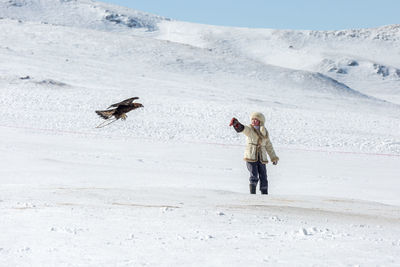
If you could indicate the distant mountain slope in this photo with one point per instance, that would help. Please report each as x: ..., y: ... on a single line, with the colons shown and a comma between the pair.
x: 366, y: 60
x: 79, y: 13
x: 160, y: 56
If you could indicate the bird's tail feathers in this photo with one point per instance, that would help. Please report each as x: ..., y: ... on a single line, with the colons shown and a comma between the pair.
x: 106, y: 114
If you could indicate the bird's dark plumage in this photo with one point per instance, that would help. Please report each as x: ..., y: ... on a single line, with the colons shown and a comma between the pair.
x: 120, y: 109
x: 125, y: 102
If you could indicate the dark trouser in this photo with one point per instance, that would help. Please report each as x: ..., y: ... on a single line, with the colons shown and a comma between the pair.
x: 258, y: 171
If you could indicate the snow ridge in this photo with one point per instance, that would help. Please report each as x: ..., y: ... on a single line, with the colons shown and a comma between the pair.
x: 390, y: 33
x: 82, y: 13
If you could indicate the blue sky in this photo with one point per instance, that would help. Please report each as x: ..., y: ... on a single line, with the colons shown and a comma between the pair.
x: 277, y: 14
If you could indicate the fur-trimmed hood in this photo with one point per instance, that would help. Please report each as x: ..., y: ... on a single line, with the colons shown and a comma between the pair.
x: 259, y: 116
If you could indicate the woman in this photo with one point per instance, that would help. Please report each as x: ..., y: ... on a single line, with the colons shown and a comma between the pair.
x: 255, y: 155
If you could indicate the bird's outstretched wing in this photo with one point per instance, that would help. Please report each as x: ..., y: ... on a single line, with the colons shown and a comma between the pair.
x: 125, y: 102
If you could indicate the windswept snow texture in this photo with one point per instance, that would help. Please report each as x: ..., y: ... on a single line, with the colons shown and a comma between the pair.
x: 168, y: 186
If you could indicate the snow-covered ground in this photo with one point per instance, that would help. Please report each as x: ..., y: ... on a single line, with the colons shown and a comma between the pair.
x: 168, y: 186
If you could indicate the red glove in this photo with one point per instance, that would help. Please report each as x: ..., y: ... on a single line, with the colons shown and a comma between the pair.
x: 234, y: 121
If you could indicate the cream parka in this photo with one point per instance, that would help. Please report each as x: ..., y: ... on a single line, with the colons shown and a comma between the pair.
x: 258, y: 143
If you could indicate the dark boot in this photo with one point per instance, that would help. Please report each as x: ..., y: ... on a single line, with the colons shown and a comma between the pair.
x: 252, y: 188
x: 264, y: 192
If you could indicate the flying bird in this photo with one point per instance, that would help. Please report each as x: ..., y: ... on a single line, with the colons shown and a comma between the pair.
x: 118, y: 111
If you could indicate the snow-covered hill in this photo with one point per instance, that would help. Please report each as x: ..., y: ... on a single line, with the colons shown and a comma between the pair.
x: 332, y: 103
x: 81, y: 14
x: 365, y: 59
